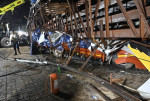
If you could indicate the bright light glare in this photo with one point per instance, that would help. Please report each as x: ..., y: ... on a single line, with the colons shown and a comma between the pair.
x: 20, y: 32
x: 71, y: 39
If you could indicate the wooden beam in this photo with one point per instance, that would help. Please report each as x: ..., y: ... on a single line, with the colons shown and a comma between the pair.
x: 96, y: 11
x: 75, y: 23
x: 142, y: 27
x: 91, y: 21
x: 106, y: 19
x: 71, y: 21
x: 74, y: 50
x: 131, y: 25
x: 102, y: 33
x: 67, y: 22
x: 142, y: 7
x: 82, y: 23
x: 101, y: 29
x: 141, y: 12
x: 92, y: 27
x: 87, y: 18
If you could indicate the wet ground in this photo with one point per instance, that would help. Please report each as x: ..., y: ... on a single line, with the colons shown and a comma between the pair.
x: 26, y: 82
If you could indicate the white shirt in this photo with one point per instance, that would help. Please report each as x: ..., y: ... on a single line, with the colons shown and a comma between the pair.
x: 13, y: 36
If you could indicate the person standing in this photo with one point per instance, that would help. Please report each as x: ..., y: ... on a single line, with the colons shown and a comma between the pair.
x: 14, y: 38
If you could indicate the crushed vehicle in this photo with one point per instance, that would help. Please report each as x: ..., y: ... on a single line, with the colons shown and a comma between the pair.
x: 122, y: 54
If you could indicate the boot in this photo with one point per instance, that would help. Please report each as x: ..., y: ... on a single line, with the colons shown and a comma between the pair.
x: 15, y: 52
x: 19, y: 51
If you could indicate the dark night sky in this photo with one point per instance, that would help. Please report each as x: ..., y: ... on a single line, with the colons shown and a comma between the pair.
x: 16, y: 18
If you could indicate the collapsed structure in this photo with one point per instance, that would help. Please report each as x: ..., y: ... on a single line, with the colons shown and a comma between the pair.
x: 112, y: 31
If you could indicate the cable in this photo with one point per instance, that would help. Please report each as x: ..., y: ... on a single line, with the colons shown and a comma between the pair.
x: 30, y: 74
x: 18, y: 71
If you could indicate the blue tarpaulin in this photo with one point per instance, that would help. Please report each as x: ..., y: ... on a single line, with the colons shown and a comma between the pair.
x: 37, y: 37
x: 42, y: 40
x: 63, y: 38
x: 84, y: 44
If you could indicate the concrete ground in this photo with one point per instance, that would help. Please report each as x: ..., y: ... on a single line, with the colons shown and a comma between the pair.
x: 26, y: 82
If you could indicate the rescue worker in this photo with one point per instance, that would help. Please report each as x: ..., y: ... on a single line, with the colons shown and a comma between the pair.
x: 14, y: 38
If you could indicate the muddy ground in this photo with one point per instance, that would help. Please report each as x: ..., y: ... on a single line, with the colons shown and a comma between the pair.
x: 26, y: 82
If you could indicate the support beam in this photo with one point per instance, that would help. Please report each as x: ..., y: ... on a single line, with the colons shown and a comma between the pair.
x: 79, y: 28
x: 91, y: 20
x: 82, y: 23
x: 43, y: 20
x: 101, y: 29
x: 144, y: 6
x: 91, y: 23
x: 74, y: 50
x: 75, y: 22
x: 142, y: 27
x: 106, y: 19
x: 101, y: 32
x: 67, y: 22
x: 96, y: 11
x: 131, y: 25
x: 71, y: 28
x: 141, y: 12
x: 141, y: 3
x: 87, y: 18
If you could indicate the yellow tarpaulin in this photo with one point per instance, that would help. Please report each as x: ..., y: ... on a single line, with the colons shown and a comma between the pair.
x: 145, y: 59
